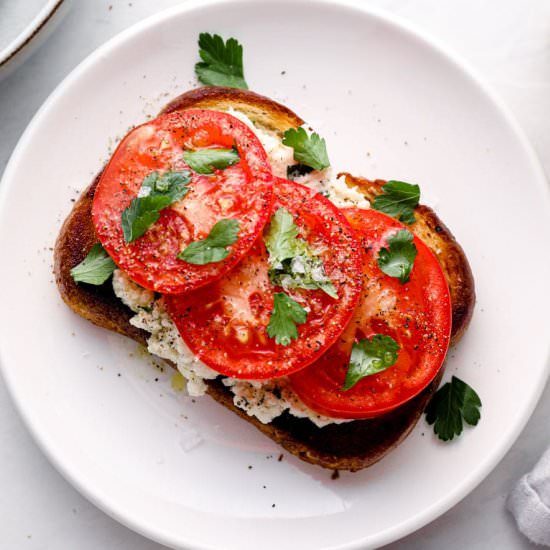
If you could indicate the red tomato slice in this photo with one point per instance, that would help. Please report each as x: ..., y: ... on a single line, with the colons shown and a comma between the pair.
x: 243, y: 191
x: 225, y: 323
x: 416, y: 314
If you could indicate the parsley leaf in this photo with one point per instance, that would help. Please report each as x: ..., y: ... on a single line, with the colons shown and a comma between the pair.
x: 157, y: 192
x: 398, y: 200
x: 308, y: 150
x: 214, y: 247
x: 204, y: 161
x: 286, y: 314
x: 452, y: 405
x: 292, y: 262
x: 222, y: 63
x: 95, y: 268
x: 399, y: 259
x: 281, y: 237
x: 138, y: 217
x: 370, y: 356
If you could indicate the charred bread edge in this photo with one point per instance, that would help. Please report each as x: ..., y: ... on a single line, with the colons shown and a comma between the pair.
x: 350, y: 446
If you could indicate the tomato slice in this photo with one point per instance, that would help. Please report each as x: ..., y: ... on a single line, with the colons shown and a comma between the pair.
x: 416, y: 314
x: 243, y: 191
x: 225, y: 323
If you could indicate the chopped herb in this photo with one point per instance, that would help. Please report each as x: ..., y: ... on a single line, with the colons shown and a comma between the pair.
x: 398, y: 200
x: 308, y: 150
x: 398, y: 260
x: 157, y: 192
x: 452, y: 405
x: 286, y: 314
x: 222, y: 63
x: 205, y: 161
x: 297, y: 170
x: 292, y: 262
x: 281, y: 237
x: 95, y: 268
x: 214, y: 247
x: 370, y: 356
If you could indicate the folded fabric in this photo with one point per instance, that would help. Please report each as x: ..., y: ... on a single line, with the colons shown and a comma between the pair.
x: 529, y: 502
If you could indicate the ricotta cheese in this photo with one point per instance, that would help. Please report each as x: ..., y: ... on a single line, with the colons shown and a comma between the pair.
x: 267, y: 400
x: 131, y: 294
x: 264, y: 400
x: 280, y: 156
x: 165, y: 342
x: 323, y: 181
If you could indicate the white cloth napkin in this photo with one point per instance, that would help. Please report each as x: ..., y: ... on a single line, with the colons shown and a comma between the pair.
x: 529, y: 502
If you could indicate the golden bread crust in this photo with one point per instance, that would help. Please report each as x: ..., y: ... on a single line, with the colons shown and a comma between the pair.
x: 438, y: 237
x: 350, y: 446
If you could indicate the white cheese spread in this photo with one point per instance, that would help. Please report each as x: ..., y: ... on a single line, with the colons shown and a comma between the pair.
x: 131, y: 294
x: 165, y: 342
x: 280, y: 156
x: 324, y: 181
x: 265, y: 400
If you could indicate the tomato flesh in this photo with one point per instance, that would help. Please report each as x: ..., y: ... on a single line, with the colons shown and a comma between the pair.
x: 416, y: 314
x: 225, y: 323
x: 243, y: 191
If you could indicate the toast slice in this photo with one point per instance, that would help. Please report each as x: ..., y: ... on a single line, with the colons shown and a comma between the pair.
x: 349, y: 446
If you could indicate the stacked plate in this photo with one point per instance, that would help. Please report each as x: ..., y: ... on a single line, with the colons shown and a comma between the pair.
x: 23, y: 27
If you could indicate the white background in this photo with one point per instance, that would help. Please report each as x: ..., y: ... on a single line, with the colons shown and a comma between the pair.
x: 507, y: 41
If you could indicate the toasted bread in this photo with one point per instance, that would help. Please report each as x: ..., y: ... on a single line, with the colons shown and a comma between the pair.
x: 349, y: 446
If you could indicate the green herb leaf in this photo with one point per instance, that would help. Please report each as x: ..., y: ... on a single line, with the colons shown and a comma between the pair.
x: 214, y: 247
x: 452, y: 405
x: 205, y: 161
x: 292, y: 262
x: 157, y: 191
x: 137, y: 218
x: 281, y: 237
x: 398, y: 200
x: 95, y: 268
x: 170, y: 186
x: 399, y: 259
x: 286, y: 314
x: 308, y: 150
x: 222, y: 63
x: 370, y: 356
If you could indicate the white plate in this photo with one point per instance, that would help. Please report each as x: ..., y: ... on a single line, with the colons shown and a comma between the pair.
x: 390, y: 104
x: 23, y: 27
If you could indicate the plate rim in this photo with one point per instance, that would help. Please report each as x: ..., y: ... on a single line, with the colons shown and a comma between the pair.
x: 437, y: 508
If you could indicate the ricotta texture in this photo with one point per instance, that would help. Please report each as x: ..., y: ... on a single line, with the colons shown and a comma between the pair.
x: 280, y: 156
x: 165, y: 342
x: 267, y: 400
x: 131, y: 294
x: 323, y: 181
x: 264, y: 400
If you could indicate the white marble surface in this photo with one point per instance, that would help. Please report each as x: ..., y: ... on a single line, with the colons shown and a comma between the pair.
x: 507, y: 41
